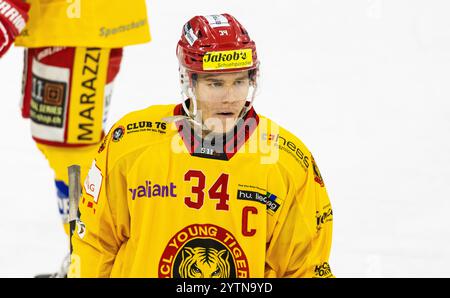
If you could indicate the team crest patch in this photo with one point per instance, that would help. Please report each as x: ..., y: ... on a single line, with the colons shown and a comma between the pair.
x: 118, y: 133
x: 203, y: 251
x: 317, y: 175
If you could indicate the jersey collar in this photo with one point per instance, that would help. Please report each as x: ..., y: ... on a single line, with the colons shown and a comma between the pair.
x: 231, y: 142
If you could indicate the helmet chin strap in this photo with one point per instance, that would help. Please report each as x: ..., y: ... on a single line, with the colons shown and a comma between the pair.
x: 193, y: 116
x: 248, y: 107
x: 190, y: 116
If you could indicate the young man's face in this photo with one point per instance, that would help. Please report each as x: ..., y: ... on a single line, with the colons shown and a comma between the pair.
x: 220, y: 98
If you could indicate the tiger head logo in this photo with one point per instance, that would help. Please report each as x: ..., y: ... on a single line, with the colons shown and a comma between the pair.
x: 204, y: 262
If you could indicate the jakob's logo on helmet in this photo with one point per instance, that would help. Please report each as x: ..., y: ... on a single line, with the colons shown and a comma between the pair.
x: 203, y: 251
x: 227, y: 59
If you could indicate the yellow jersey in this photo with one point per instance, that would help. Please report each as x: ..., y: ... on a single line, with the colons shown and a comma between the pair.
x: 77, y: 23
x: 159, y: 201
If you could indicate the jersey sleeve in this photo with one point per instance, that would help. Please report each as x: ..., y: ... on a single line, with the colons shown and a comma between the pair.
x: 301, y: 241
x: 13, y: 18
x: 103, y: 224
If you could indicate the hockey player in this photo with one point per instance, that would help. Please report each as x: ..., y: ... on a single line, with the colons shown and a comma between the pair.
x: 208, y: 187
x: 73, y: 51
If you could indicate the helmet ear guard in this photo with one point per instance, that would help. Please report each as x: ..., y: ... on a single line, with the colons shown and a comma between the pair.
x: 187, y: 91
x: 184, y: 80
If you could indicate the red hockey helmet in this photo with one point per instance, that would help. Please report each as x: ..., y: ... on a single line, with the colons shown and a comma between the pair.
x: 216, y: 43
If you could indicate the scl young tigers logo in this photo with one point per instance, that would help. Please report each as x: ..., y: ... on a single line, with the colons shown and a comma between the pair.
x: 203, y: 251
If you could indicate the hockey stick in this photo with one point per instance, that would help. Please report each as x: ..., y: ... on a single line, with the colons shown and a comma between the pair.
x: 74, y: 197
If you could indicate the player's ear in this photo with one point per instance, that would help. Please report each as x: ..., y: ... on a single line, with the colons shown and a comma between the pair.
x: 194, y: 79
x: 252, y: 76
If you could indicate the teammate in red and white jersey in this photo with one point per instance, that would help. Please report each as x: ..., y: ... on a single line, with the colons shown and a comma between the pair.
x: 13, y: 18
x: 73, y: 52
